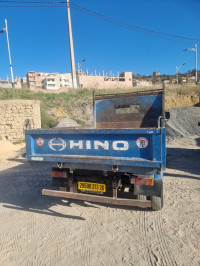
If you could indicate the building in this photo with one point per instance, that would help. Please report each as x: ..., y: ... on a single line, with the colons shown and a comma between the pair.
x: 34, y: 80
x: 24, y: 81
x: 48, y: 81
x: 9, y: 85
x: 142, y: 83
x: 156, y: 73
x: 55, y: 81
x: 124, y: 80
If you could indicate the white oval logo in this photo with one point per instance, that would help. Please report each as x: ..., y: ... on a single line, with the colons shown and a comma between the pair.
x: 57, y: 144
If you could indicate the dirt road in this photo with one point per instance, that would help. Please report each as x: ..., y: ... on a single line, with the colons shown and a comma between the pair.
x: 38, y: 230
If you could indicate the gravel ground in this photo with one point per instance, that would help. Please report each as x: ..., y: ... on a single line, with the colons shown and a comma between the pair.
x: 39, y: 230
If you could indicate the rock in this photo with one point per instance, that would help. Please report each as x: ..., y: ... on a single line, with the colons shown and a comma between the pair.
x: 67, y: 123
x: 183, y: 122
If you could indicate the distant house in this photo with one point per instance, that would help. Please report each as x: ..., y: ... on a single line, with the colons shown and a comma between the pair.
x: 123, y: 80
x: 48, y: 81
x: 34, y: 80
x: 55, y: 81
x: 143, y: 83
x: 156, y: 73
x: 8, y: 84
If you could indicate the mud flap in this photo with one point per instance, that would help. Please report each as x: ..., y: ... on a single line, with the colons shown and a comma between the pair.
x: 155, y: 190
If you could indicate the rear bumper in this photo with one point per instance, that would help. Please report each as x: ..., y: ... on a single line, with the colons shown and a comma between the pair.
x: 99, y: 199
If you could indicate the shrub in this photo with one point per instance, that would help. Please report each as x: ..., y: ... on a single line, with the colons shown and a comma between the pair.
x: 47, y: 120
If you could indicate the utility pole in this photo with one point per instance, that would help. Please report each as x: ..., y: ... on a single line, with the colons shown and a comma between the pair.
x: 11, y: 69
x: 73, y: 69
x: 79, y: 65
x: 196, y: 63
x: 177, y: 69
x: 196, y: 70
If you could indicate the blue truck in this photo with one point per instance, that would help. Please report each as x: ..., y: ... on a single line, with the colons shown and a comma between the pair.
x: 119, y: 161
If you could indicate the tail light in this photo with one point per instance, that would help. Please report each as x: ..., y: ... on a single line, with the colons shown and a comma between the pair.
x: 58, y: 173
x: 148, y: 181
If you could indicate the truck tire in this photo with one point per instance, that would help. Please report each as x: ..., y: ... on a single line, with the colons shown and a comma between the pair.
x: 157, y: 202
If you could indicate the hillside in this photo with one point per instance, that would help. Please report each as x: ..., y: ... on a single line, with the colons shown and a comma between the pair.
x: 78, y: 104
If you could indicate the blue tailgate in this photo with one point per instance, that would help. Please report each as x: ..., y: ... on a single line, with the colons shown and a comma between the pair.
x: 120, y: 147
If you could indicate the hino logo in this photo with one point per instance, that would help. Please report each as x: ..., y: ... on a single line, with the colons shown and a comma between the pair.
x: 58, y: 144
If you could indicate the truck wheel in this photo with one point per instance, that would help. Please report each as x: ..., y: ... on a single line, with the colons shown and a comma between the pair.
x: 157, y: 202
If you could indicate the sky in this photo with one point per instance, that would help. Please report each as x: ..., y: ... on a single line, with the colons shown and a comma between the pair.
x: 39, y: 37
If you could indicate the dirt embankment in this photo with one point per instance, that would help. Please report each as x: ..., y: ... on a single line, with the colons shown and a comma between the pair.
x: 177, y: 100
x: 181, y: 96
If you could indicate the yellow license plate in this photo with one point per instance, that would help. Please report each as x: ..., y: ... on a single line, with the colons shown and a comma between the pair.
x: 91, y: 186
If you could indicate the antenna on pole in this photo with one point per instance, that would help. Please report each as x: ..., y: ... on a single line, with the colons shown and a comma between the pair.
x: 73, y: 69
x: 11, y: 69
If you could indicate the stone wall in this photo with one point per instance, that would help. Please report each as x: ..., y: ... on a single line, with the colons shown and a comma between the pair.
x: 13, y: 114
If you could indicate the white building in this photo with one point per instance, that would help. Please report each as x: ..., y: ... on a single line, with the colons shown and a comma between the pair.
x: 142, y: 83
x: 48, y: 81
x: 55, y: 81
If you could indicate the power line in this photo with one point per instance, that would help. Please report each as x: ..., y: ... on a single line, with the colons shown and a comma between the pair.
x: 123, y: 24
x: 32, y: 2
x: 129, y: 25
x: 46, y: 6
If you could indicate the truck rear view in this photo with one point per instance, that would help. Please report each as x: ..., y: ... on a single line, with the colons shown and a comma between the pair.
x: 120, y: 161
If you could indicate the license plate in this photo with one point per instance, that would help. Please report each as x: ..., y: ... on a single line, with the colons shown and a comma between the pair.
x: 91, y: 186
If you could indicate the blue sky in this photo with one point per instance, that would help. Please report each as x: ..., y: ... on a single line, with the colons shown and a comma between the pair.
x: 39, y: 37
